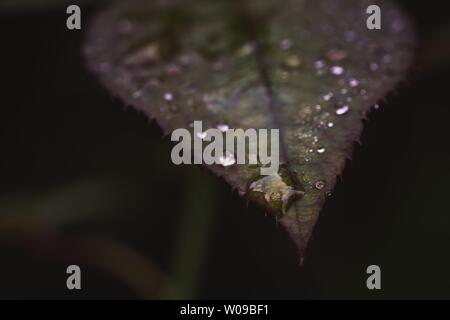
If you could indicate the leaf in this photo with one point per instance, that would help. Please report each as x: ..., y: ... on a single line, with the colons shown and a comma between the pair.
x: 310, y: 68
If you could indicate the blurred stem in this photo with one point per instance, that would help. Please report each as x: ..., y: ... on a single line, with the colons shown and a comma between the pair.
x: 193, y: 236
x: 107, y: 255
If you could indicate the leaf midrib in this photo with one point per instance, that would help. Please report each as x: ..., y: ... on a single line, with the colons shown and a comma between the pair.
x: 263, y: 70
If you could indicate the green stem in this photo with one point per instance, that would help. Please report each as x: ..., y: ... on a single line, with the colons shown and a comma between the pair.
x: 193, y: 234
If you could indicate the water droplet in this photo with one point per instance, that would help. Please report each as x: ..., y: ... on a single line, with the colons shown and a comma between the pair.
x: 285, y: 44
x: 202, y: 135
x: 321, y: 150
x: 319, y: 64
x: 227, y: 160
x: 168, y: 96
x: 330, y: 124
x: 320, y: 184
x: 337, y: 70
x: 342, y: 110
x: 353, y: 82
x: 327, y: 96
x: 223, y: 127
x: 376, y: 106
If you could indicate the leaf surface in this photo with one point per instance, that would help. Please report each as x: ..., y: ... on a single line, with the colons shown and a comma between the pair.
x: 309, y: 68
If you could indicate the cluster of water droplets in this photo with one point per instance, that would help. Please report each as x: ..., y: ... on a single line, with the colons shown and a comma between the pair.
x: 347, y: 91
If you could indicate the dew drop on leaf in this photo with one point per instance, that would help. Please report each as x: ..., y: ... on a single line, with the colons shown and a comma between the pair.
x: 168, y: 96
x: 227, y: 160
x: 223, y: 127
x: 342, y: 110
x: 202, y: 135
x: 321, y: 150
x: 353, y: 82
x: 337, y: 70
x: 320, y: 184
x: 327, y: 96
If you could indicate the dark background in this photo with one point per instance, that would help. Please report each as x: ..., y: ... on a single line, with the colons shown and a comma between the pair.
x: 85, y: 180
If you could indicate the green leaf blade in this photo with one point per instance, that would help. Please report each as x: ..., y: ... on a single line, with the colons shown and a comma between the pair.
x: 309, y: 68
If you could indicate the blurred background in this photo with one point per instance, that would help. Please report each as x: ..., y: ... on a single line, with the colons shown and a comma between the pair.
x: 86, y: 180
